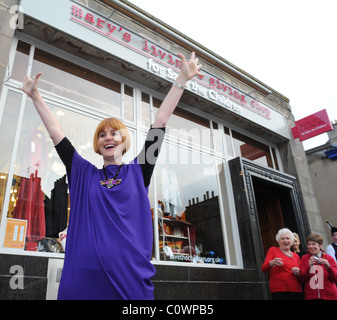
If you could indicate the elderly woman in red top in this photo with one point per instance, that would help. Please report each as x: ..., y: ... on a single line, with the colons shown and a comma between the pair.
x: 283, y: 267
x: 318, y: 271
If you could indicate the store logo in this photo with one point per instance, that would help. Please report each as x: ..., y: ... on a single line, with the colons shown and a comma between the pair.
x: 98, y: 24
x: 16, y: 282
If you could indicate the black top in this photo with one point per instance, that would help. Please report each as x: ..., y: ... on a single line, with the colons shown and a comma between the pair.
x: 147, y: 157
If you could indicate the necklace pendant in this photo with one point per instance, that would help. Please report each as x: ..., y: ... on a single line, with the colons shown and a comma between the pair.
x: 110, y: 183
x: 113, y: 183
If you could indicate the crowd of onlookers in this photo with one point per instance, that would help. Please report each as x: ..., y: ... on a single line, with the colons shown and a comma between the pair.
x: 295, y: 274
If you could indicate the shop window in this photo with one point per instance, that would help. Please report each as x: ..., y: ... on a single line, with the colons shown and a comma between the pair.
x: 71, y: 81
x: 7, y: 135
x: 39, y: 193
x: 37, y: 206
x: 190, y: 228
x: 79, y: 84
x: 251, y: 149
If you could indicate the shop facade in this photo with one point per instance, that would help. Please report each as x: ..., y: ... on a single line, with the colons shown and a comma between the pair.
x: 229, y: 173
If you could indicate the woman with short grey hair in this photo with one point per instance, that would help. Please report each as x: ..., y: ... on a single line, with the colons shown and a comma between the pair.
x: 284, y: 231
x: 283, y: 267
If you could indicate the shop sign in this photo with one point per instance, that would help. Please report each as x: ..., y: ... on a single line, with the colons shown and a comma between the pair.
x: 102, y: 32
x: 312, y: 126
x: 166, y: 64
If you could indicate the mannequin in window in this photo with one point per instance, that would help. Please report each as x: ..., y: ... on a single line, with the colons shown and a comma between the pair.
x: 171, y: 193
x: 109, y: 236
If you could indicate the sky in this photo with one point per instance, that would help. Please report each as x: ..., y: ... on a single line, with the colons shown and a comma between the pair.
x: 289, y: 45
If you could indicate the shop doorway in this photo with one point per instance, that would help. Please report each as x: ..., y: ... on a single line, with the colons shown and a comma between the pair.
x: 275, y: 210
x: 265, y: 201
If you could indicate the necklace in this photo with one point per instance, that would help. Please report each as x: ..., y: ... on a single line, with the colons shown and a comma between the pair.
x: 111, y: 182
x: 288, y: 255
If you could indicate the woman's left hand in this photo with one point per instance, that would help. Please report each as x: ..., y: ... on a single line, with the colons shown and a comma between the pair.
x: 296, y: 271
x: 324, y: 262
x: 190, y: 68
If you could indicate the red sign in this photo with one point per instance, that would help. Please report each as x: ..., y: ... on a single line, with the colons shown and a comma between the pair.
x: 312, y: 126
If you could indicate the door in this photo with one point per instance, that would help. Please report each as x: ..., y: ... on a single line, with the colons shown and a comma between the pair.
x: 275, y: 210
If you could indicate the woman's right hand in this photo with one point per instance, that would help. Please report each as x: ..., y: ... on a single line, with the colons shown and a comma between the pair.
x: 276, y: 262
x: 30, y: 86
x: 313, y: 260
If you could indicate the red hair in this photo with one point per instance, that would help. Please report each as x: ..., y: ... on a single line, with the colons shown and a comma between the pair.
x: 115, y: 124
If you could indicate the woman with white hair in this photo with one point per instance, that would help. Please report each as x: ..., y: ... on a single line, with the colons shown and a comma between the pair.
x: 283, y: 267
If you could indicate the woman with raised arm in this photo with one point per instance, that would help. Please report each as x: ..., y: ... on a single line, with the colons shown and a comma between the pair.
x: 109, y: 236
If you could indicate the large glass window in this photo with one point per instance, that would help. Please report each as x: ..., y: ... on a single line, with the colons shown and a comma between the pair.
x: 190, y: 227
x: 250, y: 149
x: 39, y: 193
x: 72, y: 82
x: 8, y: 128
x: 37, y: 205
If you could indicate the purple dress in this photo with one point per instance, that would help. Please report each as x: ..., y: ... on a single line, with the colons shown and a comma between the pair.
x: 110, y: 234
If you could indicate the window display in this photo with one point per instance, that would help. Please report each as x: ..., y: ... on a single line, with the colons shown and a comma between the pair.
x: 190, y: 228
x: 39, y: 185
x: 8, y: 127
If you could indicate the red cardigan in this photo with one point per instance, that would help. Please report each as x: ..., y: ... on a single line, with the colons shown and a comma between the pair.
x: 319, y: 281
x: 281, y: 278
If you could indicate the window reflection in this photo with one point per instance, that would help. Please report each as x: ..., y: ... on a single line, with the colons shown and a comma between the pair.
x: 128, y: 103
x: 7, y: 135
x: 190, y: 228
x: 216, y: 137
x: 20, y: 61
x: 146, y: 116
x: 187, y: 127
x: 78, y: 84
x: 252, y: 149
x: 228, y: 141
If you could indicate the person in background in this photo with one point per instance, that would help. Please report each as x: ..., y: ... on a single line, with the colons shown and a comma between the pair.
x: 283, y: 267
x: 318, y: 271
x: 332, y: 247
x: 296, y: 245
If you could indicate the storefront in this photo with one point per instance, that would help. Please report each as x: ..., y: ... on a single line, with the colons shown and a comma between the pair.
x: 229, y: 173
